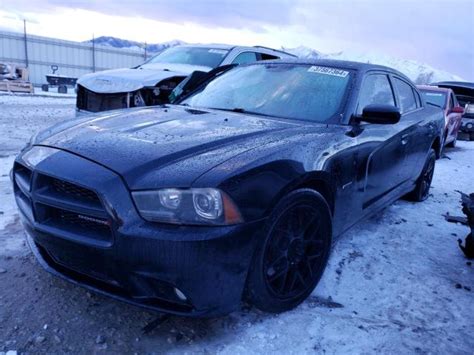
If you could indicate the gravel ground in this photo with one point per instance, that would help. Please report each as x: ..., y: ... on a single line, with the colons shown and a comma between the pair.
x: 396, y: 283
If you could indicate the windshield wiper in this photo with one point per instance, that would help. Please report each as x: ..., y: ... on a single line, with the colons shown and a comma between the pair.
x: 242, y: 110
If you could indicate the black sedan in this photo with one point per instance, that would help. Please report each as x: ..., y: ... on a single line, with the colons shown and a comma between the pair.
x: 235, y: 192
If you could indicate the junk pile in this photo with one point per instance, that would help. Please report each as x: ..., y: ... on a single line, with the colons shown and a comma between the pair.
x: 14, y: 78
x: 467, y: 202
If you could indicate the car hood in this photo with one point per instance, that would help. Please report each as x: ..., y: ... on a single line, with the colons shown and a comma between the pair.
x: 128, y: 80
x: 162, y: 147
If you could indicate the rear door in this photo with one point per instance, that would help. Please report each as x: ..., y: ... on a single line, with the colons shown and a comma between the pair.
x: 411, y: 125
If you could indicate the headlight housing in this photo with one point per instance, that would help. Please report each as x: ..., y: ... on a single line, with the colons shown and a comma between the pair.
x: 187, y: 206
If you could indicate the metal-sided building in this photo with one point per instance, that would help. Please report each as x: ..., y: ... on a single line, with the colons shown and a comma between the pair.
x: 73, y: 58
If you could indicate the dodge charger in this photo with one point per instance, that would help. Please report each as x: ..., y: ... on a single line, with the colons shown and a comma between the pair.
x: 233, y: 193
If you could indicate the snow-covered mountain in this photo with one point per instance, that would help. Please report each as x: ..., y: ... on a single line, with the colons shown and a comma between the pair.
x: 115, y: 42
x: 418, y: 72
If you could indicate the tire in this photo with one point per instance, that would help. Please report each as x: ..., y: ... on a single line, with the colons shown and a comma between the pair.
x: 292, y: 254
x: 423, y: 183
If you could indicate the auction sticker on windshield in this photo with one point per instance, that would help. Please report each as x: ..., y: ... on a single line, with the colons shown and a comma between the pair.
x: 328, y: 71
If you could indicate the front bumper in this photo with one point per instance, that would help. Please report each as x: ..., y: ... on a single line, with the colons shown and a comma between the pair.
x: 128, y: 258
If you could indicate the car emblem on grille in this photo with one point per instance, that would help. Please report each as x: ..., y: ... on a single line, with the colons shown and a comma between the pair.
x: 92, y: 219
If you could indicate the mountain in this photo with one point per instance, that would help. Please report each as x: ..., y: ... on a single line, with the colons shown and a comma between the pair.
x: 418, y: 72
x: 115, y: 42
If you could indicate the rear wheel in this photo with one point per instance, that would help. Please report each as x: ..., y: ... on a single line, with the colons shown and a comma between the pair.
x: 292, y: 255
x: 423, y: 184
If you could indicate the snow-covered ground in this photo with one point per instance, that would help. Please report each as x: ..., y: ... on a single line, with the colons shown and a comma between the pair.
x: 396, y: 283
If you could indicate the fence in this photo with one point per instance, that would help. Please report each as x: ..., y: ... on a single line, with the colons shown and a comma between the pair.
x: 73, y: 58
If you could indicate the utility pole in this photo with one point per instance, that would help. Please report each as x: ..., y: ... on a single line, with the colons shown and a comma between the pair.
x: 26, y: 43
x: 93, y: 53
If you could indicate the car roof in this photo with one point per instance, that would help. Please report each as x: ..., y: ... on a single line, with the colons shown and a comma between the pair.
x: 455, y: 84
x: 230, y: 47
x: 433, y: 88
x: 335, y: 63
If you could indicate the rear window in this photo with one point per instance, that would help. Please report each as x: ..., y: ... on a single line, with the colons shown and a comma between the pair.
x: 435, y: 97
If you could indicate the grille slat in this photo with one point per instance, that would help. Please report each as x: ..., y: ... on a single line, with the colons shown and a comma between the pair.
x: 21, y: 185
x: 64, y: 187
x: 76, y: 223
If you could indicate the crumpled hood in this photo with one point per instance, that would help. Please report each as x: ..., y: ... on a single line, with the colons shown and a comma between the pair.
x: 128, y: 80
x: 158, y: 147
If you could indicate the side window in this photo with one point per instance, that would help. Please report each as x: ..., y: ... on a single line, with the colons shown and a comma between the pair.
x: 376, y: 89
x: 406, y: 96
x: 264, y: 56
x: 245, y: 57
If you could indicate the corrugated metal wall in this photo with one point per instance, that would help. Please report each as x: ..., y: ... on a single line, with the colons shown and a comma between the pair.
x: 73, y: 58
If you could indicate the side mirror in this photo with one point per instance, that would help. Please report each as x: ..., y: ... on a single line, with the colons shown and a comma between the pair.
x: 381, y: 114
x: 457, y: 109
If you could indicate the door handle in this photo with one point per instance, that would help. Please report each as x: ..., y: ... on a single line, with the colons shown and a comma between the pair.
x: 405, y: 139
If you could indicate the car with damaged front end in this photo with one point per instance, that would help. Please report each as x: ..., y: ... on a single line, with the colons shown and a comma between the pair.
x: 235, y: 192
x: 152, y: 82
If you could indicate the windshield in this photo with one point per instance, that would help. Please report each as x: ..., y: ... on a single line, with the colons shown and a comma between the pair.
x: 292, y: 91
x: 207, y: 57
x: 435, y: 97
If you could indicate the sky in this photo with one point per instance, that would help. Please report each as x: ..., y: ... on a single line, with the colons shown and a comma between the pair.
x: 438, y: 33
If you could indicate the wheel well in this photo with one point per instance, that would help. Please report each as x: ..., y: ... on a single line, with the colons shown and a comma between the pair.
x: 322, y: 187
x: 437, y: 147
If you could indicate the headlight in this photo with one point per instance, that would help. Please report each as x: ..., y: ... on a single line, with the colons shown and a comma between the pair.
x: 190, y: 206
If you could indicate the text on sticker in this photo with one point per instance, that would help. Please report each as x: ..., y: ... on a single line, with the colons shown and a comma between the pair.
x: 328, y: 71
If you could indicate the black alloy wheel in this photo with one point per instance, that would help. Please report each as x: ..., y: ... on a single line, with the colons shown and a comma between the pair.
x: 291, y: 258
x: 423, y: 184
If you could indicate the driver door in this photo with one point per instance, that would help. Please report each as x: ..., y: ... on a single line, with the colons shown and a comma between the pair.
x: 382, y: 150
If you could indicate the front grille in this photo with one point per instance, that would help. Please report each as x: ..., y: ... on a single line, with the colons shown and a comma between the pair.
x: 62, y: 207
x: 94, y: 102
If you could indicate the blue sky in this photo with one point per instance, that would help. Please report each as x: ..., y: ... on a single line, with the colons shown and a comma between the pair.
x: 439, y: 33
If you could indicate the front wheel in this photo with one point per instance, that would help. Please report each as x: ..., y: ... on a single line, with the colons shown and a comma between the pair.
x: 423, y: 184
x: 293, y: 253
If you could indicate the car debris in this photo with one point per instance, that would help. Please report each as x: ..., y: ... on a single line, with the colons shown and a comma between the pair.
x: 467, y: 202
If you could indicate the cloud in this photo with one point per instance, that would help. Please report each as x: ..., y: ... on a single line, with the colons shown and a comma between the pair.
x: 436, y: 32
x: 227, y: 14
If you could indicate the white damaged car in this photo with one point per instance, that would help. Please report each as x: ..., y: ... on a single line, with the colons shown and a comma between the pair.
x: 152, y: 82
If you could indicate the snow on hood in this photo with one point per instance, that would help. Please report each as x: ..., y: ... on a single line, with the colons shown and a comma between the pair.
x: 128, y: 80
